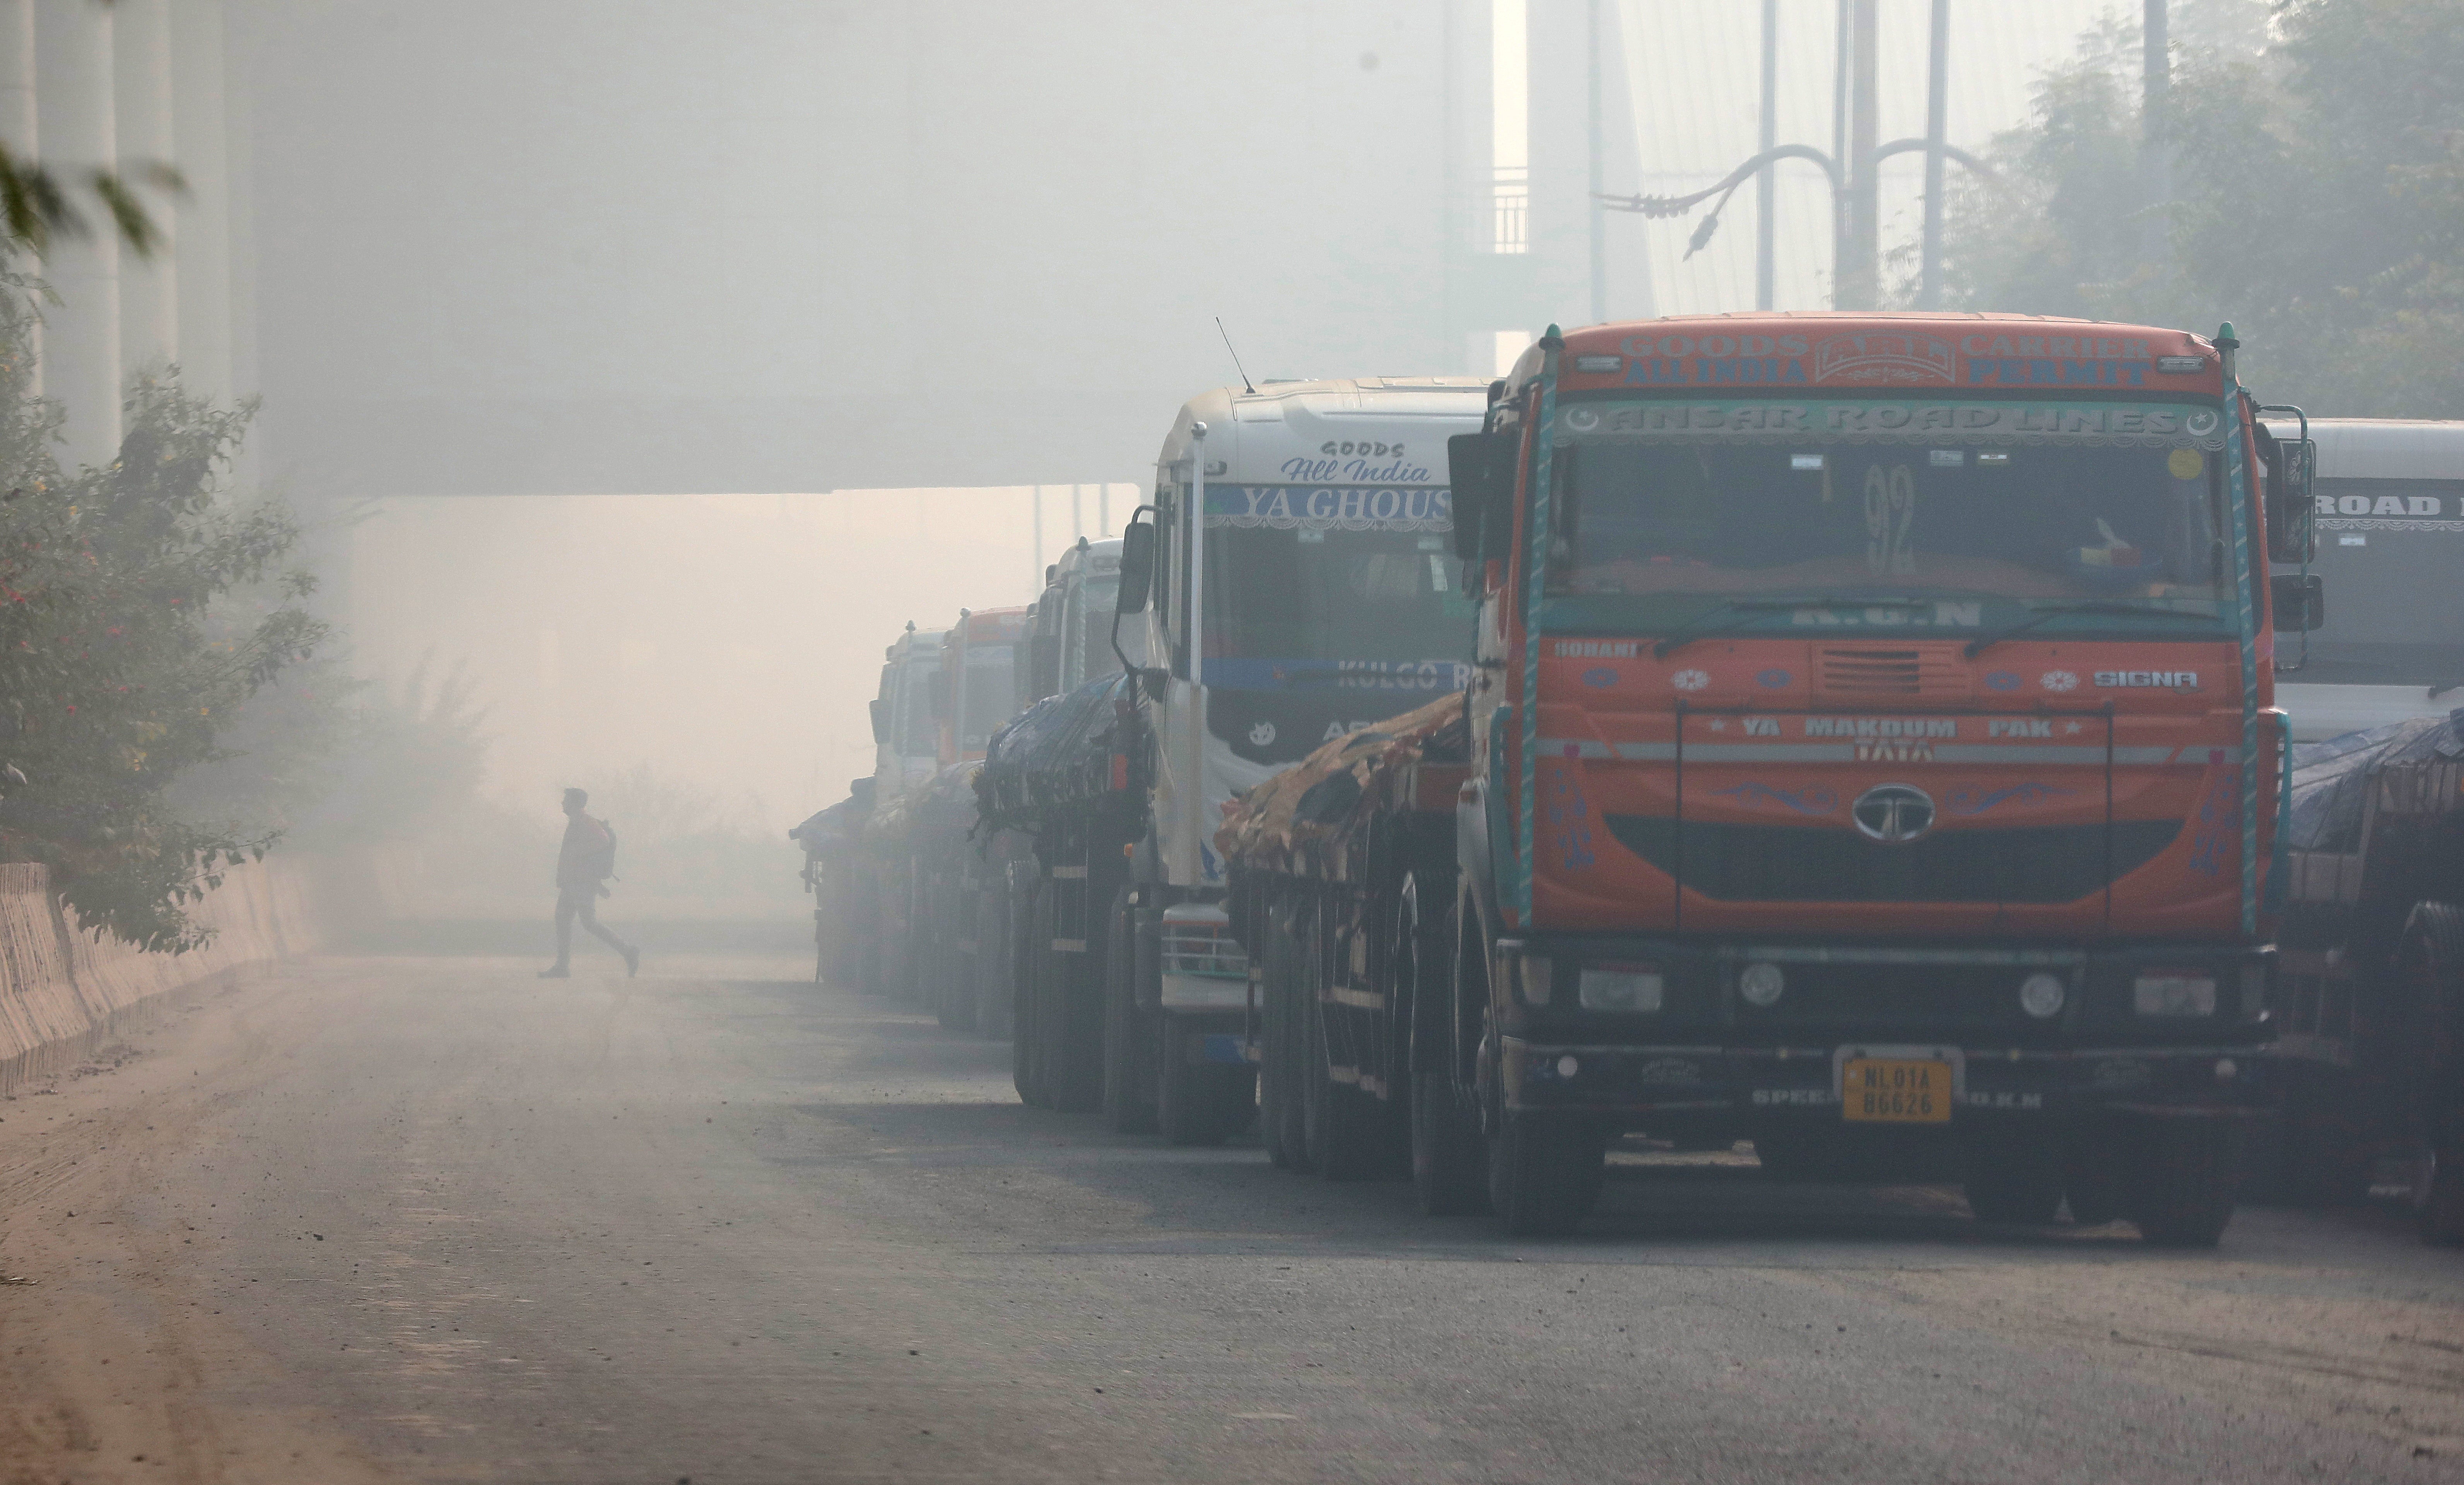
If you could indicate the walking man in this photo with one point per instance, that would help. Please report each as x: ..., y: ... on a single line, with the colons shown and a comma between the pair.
x: 583, y: 865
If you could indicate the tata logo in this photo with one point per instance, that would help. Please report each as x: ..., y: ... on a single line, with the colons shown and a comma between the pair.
x: 2148, y: 680
x: 1893, y: 814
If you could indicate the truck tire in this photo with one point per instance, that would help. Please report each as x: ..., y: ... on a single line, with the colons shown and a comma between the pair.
x: 1544, y: 1174
x: 1129, y: 1034
x: 2184, y: 1174
x: 1076, y: 1048
x: 2328, y: 1155
x: 1442, y: 1150
x: 1341, y: 1123
x: 1280, y: 1115
x: 1198, y: 1102
x: 1449, y: 1165
x: 994, y: 960
x: 1039, y: 1024
x: 2431, y: 965
x: 951, y: 969
x: 2012, y: 1174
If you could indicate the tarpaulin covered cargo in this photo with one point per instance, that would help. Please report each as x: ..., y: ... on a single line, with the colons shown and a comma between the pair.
x: 1309, y: 820
x: 2331, y: 780
x: 1056, y: 754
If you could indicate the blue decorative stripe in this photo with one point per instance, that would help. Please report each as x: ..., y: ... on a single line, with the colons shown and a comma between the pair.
x: 1535, y: 579
x: 2246, y: 634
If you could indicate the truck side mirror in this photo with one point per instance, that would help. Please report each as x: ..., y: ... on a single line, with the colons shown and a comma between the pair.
x: 880, y: 720
x: 2299, y: 601
x: 1137, y: 568
x: 1467, y: 473
x: 2292, y: 531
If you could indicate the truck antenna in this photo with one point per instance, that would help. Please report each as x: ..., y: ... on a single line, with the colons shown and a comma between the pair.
x: 1246, y: 385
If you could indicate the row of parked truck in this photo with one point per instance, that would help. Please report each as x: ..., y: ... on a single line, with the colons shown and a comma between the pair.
x: 1857, y: 735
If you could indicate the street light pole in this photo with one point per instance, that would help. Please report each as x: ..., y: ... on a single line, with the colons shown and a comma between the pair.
x: 1766, y: 182
x: 1599, y: 222
x: 1855, y: 254
x: 1937, y: 107
x: 1859, y: 285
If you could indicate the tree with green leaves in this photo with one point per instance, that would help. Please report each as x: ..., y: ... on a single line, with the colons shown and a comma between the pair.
x: 141, y: 607
x: 2317, y: 167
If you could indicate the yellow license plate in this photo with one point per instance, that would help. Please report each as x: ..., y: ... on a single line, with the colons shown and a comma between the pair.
x: 1893, y: 1091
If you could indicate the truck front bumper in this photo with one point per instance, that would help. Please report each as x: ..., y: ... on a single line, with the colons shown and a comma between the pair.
x: 1809, y: 1082
x: 1953, y: 1018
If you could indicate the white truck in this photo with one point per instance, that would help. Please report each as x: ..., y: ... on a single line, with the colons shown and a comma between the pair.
x: 1318, y: 594
x: 2389, y: 501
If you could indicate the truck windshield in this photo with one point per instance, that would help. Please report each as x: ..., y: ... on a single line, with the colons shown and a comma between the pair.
x: 1092, y: 656
x: 2388, y: 551
x: 1683, y: 522
x: 1279, y: 598
x: 914, y: 730
x: 990, y: 691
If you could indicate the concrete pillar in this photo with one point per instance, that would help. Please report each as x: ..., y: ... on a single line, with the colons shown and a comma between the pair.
x: 150, y: 297
x: 17, y: 109
x: 72, y: 115
x: 201, y: 147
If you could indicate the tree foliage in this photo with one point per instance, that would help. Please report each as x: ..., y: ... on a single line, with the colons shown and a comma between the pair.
x: 140, y: 606
x: 2316, y: 199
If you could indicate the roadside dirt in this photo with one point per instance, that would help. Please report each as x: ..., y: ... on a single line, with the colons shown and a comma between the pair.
x: 109, y: 1358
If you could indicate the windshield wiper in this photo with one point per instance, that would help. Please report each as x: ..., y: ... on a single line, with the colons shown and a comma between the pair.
x: 1749, y: 610
x: 1985, y: 642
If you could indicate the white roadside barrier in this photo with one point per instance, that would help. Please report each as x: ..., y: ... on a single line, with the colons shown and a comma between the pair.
x: 61, y: 988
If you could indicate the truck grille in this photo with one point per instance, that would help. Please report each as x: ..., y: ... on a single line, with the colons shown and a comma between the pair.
x: 1866, y: 673
x: 1875, y: 996
x: 1796, y: 863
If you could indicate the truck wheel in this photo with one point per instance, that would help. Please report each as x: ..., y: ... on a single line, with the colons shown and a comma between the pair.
x: 950, y: 969
x: 2431, y: 962
x: 2182, y: 1181
x: 1036, y: 1010
x: 1449, y: 1170
x: 995, y: 964
x: 1129, y: 1033
x: 2329, y: 1154
x: 1341, y: 1121
x: 1280, y: 1115
x: 1077, y: 1046
x: 1198, y: 1102
x: 2012, y: 1174
x: 1544, y: 1174
x: 1274, y: 1078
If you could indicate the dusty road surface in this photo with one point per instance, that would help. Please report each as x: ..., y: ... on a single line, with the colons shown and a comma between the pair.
x: 433, y: 1220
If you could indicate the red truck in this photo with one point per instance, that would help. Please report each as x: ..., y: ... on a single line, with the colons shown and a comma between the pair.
x: 1870, y: 753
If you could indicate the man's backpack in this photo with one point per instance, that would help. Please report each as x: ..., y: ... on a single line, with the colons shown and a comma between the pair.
x: 602, y: 852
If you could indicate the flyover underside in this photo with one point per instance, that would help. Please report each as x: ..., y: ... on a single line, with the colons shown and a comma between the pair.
x: 557, y: 446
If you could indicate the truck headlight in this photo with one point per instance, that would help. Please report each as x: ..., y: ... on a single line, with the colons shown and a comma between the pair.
x: 1761, y: 984
x: 2174, y: 992
x: 1538, y: 975
x: 1619, y: 986
x: 2041, y: 996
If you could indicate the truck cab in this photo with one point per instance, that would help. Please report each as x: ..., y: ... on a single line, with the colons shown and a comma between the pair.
x: 1070, y: 625
x: 1872, y: 751
x: 2389, y: 497
x: 977, y: 687
x: 906, y: 737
